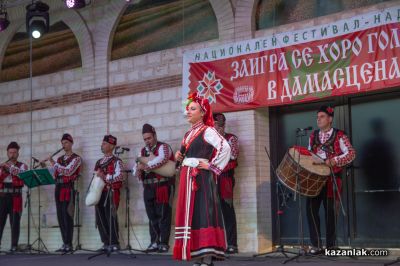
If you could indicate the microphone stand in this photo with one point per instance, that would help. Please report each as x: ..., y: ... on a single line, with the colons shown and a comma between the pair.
x: 110, y: 198
x: 127, y: 218
x: 127, y: 208
x: 302, y: 253
x: 336, y: 194
x: 280, y: 248
x: 78, y: 224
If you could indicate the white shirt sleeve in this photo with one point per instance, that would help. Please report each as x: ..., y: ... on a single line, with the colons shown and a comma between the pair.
x: 349, y: 154
x: 70, y: 168
x: 14, y: 170
x: 164, y: 152
x: 223, y: 150
x: 118, y: 175
x: 234, y: 144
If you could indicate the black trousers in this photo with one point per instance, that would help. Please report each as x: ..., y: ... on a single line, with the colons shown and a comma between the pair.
x: 313, y: 206
x: 228, y: 211
x: 159, y: 214
x: 6, y: 209
x: 105, y: 221
x: 65, y: 220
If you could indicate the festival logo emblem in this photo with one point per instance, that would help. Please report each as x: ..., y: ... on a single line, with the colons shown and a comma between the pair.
x: 209, y: 87
x: 243, y: 95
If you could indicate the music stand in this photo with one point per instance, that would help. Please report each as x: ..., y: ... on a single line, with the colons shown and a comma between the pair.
x: 36, y: 178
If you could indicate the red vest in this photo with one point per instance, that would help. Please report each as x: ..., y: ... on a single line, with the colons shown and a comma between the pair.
x: 332, y: 149
x: 16, y: 181
x: 331, y: 146
x: 62, y: 162
x: 109, y: 169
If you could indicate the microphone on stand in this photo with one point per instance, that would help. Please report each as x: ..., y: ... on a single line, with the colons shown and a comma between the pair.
x: 304, y: 129
x: 119, y: 149
x: 122, y: 148
x: 182, y: 150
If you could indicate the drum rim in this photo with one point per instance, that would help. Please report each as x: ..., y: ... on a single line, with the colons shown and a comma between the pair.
x: 303, y: 168
x: 278, y: 171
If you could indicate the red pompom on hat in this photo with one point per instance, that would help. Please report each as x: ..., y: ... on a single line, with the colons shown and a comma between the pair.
x: 326, y: 109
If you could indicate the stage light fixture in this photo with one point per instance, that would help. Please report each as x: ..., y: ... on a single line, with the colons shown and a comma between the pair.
x: 75, y: 4
x: 37, y: 19
x: 38, y: 28
x: 4, y: 22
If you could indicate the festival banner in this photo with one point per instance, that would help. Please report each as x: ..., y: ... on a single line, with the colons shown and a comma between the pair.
x: 349, y: 56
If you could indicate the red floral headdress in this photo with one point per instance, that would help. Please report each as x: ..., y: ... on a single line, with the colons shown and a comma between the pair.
x: 205, y: 106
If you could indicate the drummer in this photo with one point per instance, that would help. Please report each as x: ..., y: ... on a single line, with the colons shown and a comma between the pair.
x: 334, y: 147
x: 158, y: 190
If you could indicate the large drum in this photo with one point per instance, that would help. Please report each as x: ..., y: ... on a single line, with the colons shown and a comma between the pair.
x: 311, y: 177
x: 94, y: 192
x: 167, y: 170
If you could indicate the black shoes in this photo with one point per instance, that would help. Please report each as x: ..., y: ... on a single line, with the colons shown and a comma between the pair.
x: 65, y: 248
x: 315, y: 250
x: 109, y: 248
x: 162, y: 248
x: 103, y: 248
x: 61, y: 249
x: 232, y: 250
x: 114, y: 247
x: 153, y: 247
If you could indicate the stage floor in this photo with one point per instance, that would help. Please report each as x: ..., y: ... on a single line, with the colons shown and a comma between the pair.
x: 166, y: 260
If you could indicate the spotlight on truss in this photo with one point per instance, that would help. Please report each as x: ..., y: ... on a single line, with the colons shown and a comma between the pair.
x: 75, y: 4
x: 4, y: 22
x: 37, y: 19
